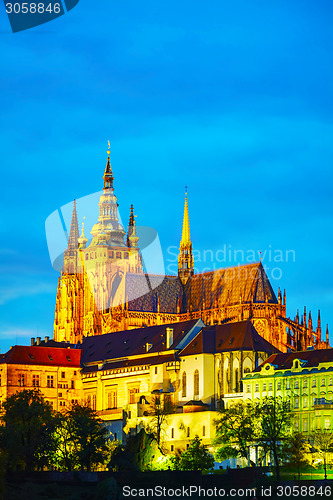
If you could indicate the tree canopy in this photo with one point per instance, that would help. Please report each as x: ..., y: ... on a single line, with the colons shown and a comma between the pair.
x: 26, y: 434
x: 235, y: 429
x: 196, y: 457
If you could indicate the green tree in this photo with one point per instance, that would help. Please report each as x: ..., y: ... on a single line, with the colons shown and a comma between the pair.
x: 81, y: 440
x: 235, y: 430
x: 137, y: 454
x: 296, y: 449
x: 323, y: 444
x: 160, y: 409
x: 275, y: 419
x: 196, y: 457
x: 27, y: 430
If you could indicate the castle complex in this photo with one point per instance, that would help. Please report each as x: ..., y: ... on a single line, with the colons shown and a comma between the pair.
x: 103, y: 287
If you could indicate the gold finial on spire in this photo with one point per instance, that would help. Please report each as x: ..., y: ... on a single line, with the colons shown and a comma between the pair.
x: 108, y: 151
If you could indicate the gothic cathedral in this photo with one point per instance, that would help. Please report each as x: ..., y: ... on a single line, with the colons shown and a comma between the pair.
x: 103, y: 287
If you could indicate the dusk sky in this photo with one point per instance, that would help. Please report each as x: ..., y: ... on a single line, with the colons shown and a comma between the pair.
x: 233, y: 99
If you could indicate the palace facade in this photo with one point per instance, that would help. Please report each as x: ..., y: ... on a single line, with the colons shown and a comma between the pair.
x: 103, y: 287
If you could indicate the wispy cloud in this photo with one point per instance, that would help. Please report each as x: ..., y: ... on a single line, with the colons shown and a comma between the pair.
x: 14, y: 292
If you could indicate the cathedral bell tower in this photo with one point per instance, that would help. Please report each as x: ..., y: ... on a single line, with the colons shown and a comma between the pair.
x: 185, y: 257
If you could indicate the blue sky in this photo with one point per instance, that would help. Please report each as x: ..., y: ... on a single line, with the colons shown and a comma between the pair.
x: 233, y: 99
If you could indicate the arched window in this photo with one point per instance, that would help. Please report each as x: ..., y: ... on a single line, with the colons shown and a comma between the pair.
x: 184, y: 385
x: 196, y: 383
x: 237, y: 381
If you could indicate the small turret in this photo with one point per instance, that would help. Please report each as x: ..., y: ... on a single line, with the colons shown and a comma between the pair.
x: 279, y: 296
x: 310, y: 322
x: 327, y: 335
x: 82, y: 240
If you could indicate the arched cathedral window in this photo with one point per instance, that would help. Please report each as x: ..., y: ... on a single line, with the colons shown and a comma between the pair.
x: 184, y: 385
x: 196, y: 383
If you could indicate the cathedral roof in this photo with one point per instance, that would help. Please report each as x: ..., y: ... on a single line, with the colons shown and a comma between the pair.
x: 37, y: 355
x: 248, y: 283
x: 238, y: 336
x: 149, y: 290
x: 139, y: 342
x: 312, y: 358
x: 223, y: 287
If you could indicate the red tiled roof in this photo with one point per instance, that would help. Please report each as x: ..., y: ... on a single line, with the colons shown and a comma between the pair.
x: 237, y: 336
x: 313, y: 357
x: 37, y: 355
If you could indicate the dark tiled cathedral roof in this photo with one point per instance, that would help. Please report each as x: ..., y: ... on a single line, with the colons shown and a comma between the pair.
x: 248, y: 283
x: 239, y: 336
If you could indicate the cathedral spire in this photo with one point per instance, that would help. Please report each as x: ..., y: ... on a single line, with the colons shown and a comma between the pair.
x: 73, y: 234
x: 132, y: 238
x: 108, y: 175
x: 185, y: 258
x: 186, y: 238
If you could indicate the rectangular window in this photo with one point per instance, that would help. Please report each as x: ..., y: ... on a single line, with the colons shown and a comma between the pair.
x: 94, y: 402
x: 133, y: 398
x: 305, y: 384
x: 63, y: 374
x: 331, y: 381
x: 314, y: 383
x: 270, y: 387
x: 112, y: 399
x: 35, y: 380
x: 248, y: 388
x: 171, y: 447
x: 203, y: 430
x: 49, y: 380
x: 264, y: 387
x: 72, y: 384
x: 322, y: 382
x: 257, y: 387
x: 305, y: 402
x: 288, y: 384
x: 279, y: 385
x: 296, y: 384
x: 305, y: 425
x: 21, y: 380
x: 296, y: 403
x: 172, y: 433
x: 155, y: 370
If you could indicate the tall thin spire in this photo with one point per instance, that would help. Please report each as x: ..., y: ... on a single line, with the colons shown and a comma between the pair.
x: 73, y: 234
x: 132, y: 238
x: 186, y: 237
x: 185, y: 258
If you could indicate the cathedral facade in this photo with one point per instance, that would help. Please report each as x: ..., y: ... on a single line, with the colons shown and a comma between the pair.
x: 103, y: 287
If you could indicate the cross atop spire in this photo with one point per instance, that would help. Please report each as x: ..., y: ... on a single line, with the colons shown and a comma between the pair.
x: 108, y: 175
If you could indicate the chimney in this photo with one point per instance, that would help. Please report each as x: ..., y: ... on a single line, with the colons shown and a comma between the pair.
x: 169, y: 337
x: 47, y: 339
x: 32, y: 341
x: 38, y: 340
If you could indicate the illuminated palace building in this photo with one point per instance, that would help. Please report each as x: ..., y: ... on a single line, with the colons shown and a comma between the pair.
x: 103, y: 287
